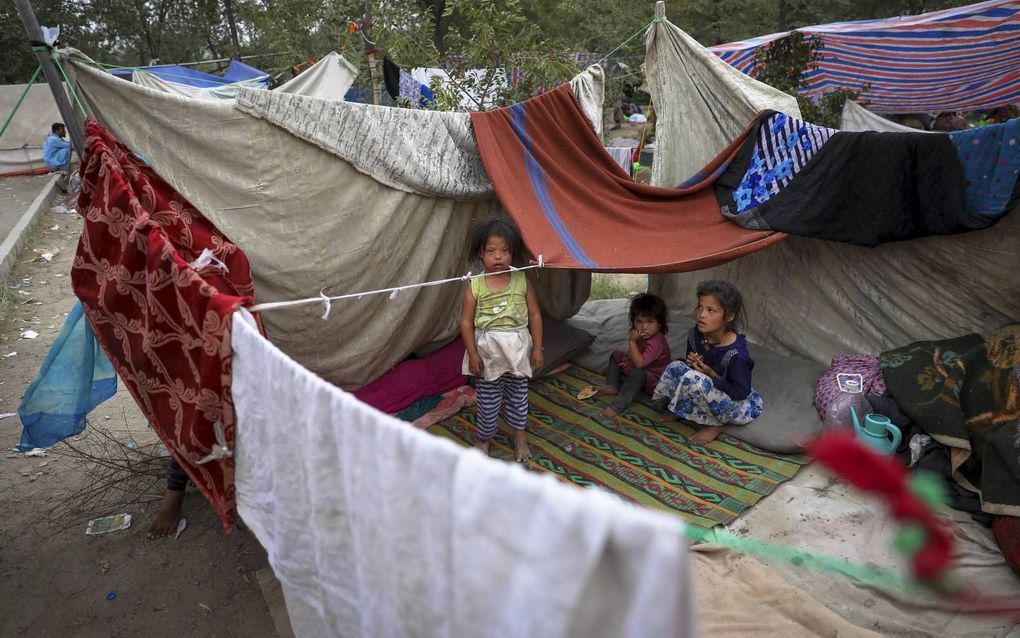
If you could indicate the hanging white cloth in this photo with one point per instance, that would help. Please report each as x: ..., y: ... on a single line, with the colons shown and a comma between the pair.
x: 375, y: 528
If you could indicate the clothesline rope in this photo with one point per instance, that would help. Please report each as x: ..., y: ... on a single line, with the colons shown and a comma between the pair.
x: 327, y: 301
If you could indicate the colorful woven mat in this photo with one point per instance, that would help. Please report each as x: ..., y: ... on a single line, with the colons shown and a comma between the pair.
x: 635, y: 456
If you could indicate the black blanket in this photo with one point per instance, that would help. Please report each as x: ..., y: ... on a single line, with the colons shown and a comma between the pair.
x: 862, y: 188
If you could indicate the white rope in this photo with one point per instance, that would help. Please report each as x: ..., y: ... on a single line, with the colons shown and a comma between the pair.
x: 327, y: 302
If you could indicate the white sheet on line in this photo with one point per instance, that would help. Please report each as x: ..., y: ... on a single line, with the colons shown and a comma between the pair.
x: 375, y: 528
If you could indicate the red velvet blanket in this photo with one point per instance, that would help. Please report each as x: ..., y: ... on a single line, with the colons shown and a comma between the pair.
x: 165, y: 326
x: 577, y: 207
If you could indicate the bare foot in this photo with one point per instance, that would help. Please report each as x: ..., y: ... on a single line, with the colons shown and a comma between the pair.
x: 608, y: 389
x: 706, y: 435
x: 667, y: 417
x: 609, y: 412
x: 522, y: 453
x: 483, y: 446
x: 168, y: 516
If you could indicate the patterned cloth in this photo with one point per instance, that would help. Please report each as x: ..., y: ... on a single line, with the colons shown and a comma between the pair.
x: 165, y: 326
x: 965, y: 393
x: 991, y: 165
x: 785, y: 145
x: 694, y: 397
x: 508, y: 392
x: 635, y: 456
x: 827, y: 388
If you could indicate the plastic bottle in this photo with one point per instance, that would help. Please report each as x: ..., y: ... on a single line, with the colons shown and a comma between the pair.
x: 851, y: 393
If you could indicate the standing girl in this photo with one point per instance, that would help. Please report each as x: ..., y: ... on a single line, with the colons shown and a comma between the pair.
x: 498, y: 312
x: 713, y: 386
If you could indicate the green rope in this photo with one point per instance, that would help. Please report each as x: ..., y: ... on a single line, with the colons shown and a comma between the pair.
x: 70, y: 87
x: 21, y: 99
x: 869, y: 575
x: 624, y: 43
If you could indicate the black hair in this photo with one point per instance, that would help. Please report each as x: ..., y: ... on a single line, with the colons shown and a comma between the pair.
x: 56, y: 127
x: 499, y: 226
x: 651, y: 306
x: 730, y: 300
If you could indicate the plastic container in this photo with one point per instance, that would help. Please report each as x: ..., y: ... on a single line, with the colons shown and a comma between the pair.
x: 851, y: 393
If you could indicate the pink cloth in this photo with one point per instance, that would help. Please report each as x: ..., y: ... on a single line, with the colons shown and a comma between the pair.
x: 413, y: 379
x: 453, y: 402
x: 865, y: 365
x: 656, y: 354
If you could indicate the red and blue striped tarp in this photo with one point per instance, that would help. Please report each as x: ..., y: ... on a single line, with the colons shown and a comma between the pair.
x: 952, y: 60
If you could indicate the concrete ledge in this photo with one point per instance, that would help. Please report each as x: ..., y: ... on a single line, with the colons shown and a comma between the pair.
x: 15, y: 240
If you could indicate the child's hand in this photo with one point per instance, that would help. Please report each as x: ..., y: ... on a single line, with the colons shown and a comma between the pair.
x: 537, y: 359
x: 634, y: 335
x: 475, y: 365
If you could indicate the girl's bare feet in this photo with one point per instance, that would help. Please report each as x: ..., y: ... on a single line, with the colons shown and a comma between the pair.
x: 483, y: 446
x: 169, y: 514
x: 706, y: 435
x: 608, y: 389
x: 667, y: 417
x: 609, y: 412
x: 522, y: 453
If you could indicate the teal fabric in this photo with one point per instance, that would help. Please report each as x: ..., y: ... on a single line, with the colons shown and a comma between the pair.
x: 420, y: 408
x: 75, y: 377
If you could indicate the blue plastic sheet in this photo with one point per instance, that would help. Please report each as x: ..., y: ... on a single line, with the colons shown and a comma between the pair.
x: 75, y: 377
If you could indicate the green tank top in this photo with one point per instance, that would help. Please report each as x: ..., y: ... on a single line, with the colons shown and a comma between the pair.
x: 505, y: 309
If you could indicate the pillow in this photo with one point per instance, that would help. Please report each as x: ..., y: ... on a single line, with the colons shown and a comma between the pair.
x: 787, y: 388
x: 562, y: 343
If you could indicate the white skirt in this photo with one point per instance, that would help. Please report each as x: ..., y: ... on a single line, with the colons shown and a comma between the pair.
x: 502, y: 351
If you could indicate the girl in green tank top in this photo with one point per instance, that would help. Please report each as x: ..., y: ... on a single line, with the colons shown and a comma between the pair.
x: 501, y: 325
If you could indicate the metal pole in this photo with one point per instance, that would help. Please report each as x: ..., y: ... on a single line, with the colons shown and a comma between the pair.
x: 35, y: 34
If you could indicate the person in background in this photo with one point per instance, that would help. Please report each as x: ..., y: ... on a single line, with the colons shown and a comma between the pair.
x: 57, y: 155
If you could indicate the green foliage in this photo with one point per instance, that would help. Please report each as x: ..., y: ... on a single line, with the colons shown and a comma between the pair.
x: 783, y: 63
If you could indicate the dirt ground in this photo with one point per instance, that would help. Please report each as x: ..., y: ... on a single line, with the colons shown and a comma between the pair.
x: 55, y: 580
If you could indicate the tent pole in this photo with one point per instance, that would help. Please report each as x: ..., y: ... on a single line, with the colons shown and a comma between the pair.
x: 35, y: 37
x: 372, y: 52
x: 21, y: 99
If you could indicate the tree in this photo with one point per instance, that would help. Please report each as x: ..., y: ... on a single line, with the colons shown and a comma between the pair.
x: 783, y: 63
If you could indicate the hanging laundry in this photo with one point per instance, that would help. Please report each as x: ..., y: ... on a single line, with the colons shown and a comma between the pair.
x: 403, y: 88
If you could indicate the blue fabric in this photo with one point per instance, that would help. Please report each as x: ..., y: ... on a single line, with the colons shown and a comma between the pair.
x: 75, y: 377
x: 991, y: 164
x: 239, y: 71
x: 693, y: 397
x: 733, y: 363
x: 56, y: 152
x: 784, y: 145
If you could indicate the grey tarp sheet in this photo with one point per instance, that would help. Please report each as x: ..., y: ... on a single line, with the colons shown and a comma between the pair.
x: 857, y: 118
x: 309, y: 220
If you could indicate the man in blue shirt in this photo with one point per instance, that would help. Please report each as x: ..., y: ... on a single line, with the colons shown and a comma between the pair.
x: 57, y: 154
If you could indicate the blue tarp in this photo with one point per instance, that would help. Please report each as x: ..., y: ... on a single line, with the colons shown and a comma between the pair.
x: 236, y: 72
x: 75, y: 377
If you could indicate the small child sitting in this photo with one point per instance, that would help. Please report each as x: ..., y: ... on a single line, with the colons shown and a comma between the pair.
x: 712, y: 386
x: 647, y: 354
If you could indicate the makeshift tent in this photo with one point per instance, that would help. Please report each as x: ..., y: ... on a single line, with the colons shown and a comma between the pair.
x: 278, y: 187
x: 951, y: 60
x: 22, y: 141
x: 225, y: 91
x: 276, y: 196
x: 857, y: 118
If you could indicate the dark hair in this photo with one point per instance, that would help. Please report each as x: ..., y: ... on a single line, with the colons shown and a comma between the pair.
x: 650, y: 306
x: 56, y: 127
x: 730, y: 300
x: 500, y: 226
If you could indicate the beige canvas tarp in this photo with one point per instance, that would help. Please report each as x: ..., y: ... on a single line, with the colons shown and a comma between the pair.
x: 21, y: 144
x: 328, y: 78
x: 310, y: 221
x: 701, y: 103
x: 857, y: 118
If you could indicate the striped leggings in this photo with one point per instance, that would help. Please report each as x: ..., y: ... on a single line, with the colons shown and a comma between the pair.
x: 508, y: 391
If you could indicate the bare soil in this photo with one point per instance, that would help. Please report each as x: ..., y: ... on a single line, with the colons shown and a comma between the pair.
x: 55, y: 580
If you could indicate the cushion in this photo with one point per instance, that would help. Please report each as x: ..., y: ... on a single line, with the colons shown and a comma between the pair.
x: 562, y: 342
x: 413, y: 379
x: 786, y: 384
